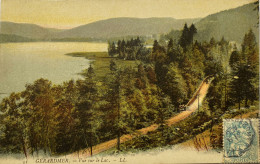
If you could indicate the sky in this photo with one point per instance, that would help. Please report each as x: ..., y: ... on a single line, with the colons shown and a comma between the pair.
x: 66, y: 14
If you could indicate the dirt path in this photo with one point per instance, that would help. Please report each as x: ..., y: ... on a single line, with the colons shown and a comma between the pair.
x: 192, y: 107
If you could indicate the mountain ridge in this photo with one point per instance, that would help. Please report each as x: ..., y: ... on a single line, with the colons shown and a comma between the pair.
x: 27, y: 30
x: 125, y: 26
x: 232, y: 24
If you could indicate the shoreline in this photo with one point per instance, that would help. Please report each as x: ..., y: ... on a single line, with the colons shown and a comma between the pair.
x: 101, y: 61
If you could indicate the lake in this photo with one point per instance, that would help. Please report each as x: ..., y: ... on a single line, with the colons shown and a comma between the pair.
x: 22, y: 63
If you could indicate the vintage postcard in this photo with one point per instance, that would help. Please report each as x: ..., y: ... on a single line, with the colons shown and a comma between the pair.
x: 129, y: 81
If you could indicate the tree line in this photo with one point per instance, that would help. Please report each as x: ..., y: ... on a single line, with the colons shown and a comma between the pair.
x: 133, y: 49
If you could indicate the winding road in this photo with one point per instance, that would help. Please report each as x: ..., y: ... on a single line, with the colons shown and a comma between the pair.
x: 192, y: 106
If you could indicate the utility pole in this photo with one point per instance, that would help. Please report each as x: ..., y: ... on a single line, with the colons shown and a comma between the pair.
x: 118, y: 111
x: 226, y: 95
x: 198, y: 96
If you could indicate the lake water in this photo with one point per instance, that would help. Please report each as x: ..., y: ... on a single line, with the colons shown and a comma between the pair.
x: 22, y: 63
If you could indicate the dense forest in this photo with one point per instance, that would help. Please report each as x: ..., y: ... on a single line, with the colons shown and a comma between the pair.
x: 60, y: 119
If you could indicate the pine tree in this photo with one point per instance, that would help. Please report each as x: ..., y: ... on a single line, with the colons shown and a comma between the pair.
x: 235, y: 59
x: 112, y: 49
x: 184, y: 39
x: 212, y: 42
x: 119, y: 48
x: 113, y: 97
x: 141, y: 80
x: 87, y: 107
x: 151, y: 75
x: 112, y: 66
x: 170, y: 45
x: 156, y: 46
x: 244, y: 85
x: 192, y: 32
x: 187, y: 36
x: 175, y: 86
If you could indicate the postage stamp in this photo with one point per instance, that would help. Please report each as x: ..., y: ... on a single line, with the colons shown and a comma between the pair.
x: 241, y: 140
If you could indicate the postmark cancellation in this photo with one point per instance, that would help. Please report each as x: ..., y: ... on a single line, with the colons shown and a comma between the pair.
x: 241, y: 140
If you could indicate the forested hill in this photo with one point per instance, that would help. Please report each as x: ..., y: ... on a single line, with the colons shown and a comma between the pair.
x: 13, y: 38
x: 232, y: 24
x: 105, y: 29
x: 117, y: 27
x: 26, y: 30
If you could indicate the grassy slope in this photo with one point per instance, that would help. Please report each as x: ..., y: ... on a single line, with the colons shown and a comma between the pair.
x: 205, y: 136
x: 101, y: 62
